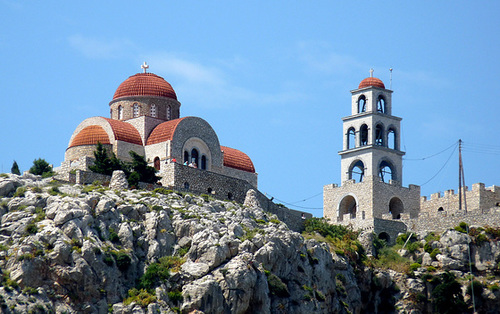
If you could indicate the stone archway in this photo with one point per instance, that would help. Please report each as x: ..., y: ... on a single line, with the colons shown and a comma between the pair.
x: 384, y: 236
x: 348, y: 205
x: 396, y: 207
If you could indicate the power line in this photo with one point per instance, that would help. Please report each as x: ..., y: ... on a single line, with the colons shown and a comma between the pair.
x: 424, y: 158
x: 441, y: 167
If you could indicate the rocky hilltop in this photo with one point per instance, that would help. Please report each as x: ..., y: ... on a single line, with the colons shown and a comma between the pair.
x: 90, y: 249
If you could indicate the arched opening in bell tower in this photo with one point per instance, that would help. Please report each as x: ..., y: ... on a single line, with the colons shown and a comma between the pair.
x: 351, y: 138
x: 386, y: 171
x: 381, y: 104
x: 396, y: 208
x: 379, y: 135
x: 349, y: 206
x: 363, y: 133
x: 391, y: 138
x: 361, y: 104
x: 357, y: 171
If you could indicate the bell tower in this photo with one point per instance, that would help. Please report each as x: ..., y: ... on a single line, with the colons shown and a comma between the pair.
x: 371, y: 161
x: 371, y: 145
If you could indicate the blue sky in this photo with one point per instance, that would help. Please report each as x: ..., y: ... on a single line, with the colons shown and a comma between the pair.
x: 273, y: 78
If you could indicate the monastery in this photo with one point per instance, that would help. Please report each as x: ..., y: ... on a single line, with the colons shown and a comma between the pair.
x: 372, y: 197
x: 145, y: 118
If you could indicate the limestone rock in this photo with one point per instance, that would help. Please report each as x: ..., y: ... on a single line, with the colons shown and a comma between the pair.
x: 118, y: 180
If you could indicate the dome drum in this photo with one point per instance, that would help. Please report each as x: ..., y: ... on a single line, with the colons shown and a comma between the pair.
x: 132, y: 107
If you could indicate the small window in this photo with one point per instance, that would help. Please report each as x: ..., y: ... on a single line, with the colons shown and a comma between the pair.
x: 186, y: 157
x: 361, y: 104
x: 157, y: 163
x: 136, y: 110
x: 120, y: 112
x: 169, y: 112
x: 194, y: 158
x: 440, y: 209
x: 204, y: 162
x: 186, y: 186
x: 209, y: 190
x: 153, y: 110
x: 230, y: 196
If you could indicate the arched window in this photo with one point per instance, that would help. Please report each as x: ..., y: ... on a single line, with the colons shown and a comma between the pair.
x: 381, y: 104
x: 384, y: 236
x: 396, y: 208
x: 186, y: 157
x: 351, y: 138
x: 153, y: 110
x: 363, y: 135
x: 347, y: 206
x: 361, y: 104
x: 156, y: 163
x: 391, y: 138
x: 386, y: 171
x: 204, y: 162
x: 135, y: 110
x: 209, y: 190
x: 169, y: 112
x: 186, y: 186
x: 230, y: 196
x: 194, y: 157
x: 120, y: 112
x: 379, y: 135
x: 357, y: 171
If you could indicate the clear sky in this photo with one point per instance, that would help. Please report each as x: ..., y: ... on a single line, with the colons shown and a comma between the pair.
x: 273, y: 78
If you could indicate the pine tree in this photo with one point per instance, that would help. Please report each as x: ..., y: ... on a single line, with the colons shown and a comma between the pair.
x: 140, y: 166
x: 41, y: 167
x: 102, y: 162
x: 15, y: 169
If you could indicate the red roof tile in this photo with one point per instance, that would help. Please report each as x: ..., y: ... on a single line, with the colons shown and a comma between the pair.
x: 145, y: 84
x: 234, y: 158
x: 90, y: 136
x: 163, y: 132
x: 124, y: 131
x: 371, y: 81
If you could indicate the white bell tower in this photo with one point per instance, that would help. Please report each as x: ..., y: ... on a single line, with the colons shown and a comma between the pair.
x: 371, y: 135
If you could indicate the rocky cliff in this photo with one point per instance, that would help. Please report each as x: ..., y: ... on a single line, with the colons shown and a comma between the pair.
x: 90, y: 249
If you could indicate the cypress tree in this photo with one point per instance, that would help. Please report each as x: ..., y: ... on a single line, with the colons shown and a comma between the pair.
x: 15, y: 169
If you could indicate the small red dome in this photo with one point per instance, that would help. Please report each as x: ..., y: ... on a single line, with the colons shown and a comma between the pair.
x: 234, y: 158
x: 371, y: 81
x: 90, y: 135
x: 145, y: 84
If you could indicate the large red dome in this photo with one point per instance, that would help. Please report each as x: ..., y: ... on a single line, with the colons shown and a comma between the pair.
x: 145, y: 84
x: 371, y: 81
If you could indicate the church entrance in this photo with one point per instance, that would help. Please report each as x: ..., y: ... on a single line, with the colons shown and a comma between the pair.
x: 348, y: 205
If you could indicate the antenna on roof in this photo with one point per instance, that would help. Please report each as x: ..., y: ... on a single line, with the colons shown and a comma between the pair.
x: 145, y: 66
x: 390, y: 84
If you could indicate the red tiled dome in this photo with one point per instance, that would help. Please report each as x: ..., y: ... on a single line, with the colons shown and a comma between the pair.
x: 371, y: 81
x: 163, y: 132
x: 90, y: 136
x: 124, y: 131
x: 234, y: 158
x: 145, y: 84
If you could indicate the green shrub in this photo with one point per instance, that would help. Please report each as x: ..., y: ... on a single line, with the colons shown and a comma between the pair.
x: 141, y: 297
x: 447, y: 295
x: 388, y: 258
x: 481, y: 238
x: 277, y: 287
x: 431, y: 269
x: 122, y: 259
x: 158, y: 272
x: 113, y: 236
x: 415, y: 266
x: 434, y: 253
x: 478, y: 288
x: 31, y: 228
x: 175, y: 296
x: 108, y: 259
x: 19, y: 192
x: 162, y: 191
x: 462, y: 227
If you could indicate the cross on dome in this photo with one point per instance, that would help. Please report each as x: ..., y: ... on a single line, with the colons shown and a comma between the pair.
x: 371, y: 72
x: 145, y: 66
